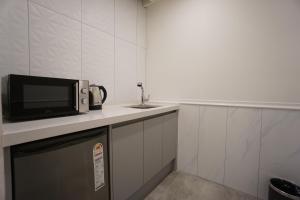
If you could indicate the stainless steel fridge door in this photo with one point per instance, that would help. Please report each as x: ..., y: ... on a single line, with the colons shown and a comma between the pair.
x: 72, y: 167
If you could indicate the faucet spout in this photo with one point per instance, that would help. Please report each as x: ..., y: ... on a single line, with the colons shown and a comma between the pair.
x: 140, y: 84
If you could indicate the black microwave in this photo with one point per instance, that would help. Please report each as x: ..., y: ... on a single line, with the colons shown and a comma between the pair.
x: 32, y: 97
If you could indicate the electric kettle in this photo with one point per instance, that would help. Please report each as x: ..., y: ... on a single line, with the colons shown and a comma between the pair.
x: 95, y: 97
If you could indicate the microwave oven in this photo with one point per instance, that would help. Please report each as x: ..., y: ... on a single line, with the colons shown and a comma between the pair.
x: 33, y: 97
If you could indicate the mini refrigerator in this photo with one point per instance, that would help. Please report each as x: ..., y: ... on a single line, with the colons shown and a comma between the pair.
x: 69, y: 167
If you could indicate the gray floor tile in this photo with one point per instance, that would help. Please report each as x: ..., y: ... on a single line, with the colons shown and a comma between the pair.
x: 179, y: 186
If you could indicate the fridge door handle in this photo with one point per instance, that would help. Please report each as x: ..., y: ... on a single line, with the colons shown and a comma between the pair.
x: 56, y: 143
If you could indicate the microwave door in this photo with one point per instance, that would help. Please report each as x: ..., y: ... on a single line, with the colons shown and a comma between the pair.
x: 46, y: 96
x: 40, y: 97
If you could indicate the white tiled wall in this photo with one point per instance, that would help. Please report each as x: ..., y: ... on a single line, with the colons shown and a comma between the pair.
x: 188, y: 138
x: 211, y: 143
x: 125, y: 64
x: 100, y: 14
x: 126, y: 19
x: 69, y: 8
x: 99, y: 40
x: 141, y: 26
x: 242, y: 149
x: 280, y: 153
x: 55, y: 44
x: 98, y: 50
x: 239, y: 147
x: 14, y: 54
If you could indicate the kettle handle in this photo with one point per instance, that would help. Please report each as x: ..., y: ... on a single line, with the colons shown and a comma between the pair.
x: 104, y: 93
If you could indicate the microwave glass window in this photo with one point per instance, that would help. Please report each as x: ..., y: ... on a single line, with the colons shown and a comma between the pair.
x: 49, y: 96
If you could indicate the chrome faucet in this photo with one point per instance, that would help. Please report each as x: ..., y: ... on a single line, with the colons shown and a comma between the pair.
x: 143, y: 99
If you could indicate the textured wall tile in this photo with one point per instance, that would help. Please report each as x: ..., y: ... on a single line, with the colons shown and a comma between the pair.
x: 98, y: 59
x: 280, y: 153
x: 141, y: 64
x: 99, y: 14
x: 141, y: 25
x: 187, y: 138
x: 55, y: 44
x: 14, y: 52
x: 70, y: 8
x: 242, y: 149
x: 126, y: 72
x: 126, y: 19
x: 141, y: 69
x: 212, y: 139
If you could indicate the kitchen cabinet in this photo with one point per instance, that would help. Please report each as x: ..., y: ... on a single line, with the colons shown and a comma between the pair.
x: 140, y: 151
x: 153, y: 132
x: 169, y: 140
x: 127, y: 151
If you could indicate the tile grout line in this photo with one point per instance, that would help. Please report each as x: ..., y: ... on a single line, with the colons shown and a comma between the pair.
x: 115, y: 56
x: 56, y: 12
x: 226, y: 140
x: 198, y: 136
x: 146, y: 51
x: 98, y: 29
x: 81, y: 44
x: 126, y: 40
x: 137, y: 48
x: 260, y: 150
x: 84, y: 23
x: 28, y: 15
x: 144, y: 46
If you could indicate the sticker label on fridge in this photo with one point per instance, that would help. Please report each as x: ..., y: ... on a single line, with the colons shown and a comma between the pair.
x: 98, y: 166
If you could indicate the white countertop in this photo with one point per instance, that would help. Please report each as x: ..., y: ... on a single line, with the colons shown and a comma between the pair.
x: 21, y: 132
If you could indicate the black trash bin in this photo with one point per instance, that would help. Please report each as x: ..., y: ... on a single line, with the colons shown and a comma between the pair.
x: 280, y: 189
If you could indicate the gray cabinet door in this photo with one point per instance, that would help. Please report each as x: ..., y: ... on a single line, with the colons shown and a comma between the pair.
x: 127, y: 147
x: 170, y: 134
x: 153, y: 130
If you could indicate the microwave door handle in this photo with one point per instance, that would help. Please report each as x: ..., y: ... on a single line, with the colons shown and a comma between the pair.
x: 77, y: 96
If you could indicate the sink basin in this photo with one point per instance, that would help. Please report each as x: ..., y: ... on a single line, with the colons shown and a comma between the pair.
x: 143, y: 106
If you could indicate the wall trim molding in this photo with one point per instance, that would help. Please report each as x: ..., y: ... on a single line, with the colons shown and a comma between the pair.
x: 245, y: 104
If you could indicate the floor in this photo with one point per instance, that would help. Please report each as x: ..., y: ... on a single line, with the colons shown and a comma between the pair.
x: 179, y: 186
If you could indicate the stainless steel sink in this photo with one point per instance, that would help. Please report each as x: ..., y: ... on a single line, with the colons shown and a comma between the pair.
x: 143, y: 106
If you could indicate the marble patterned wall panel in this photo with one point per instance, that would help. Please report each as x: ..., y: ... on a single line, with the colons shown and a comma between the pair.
x: 188, y: 138
x: 242, y: 149
x: 211, y: 143
x: 280, y: 153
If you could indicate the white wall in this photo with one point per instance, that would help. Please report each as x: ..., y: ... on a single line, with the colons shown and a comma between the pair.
x: 234, y: 50
x: 99, y: 40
